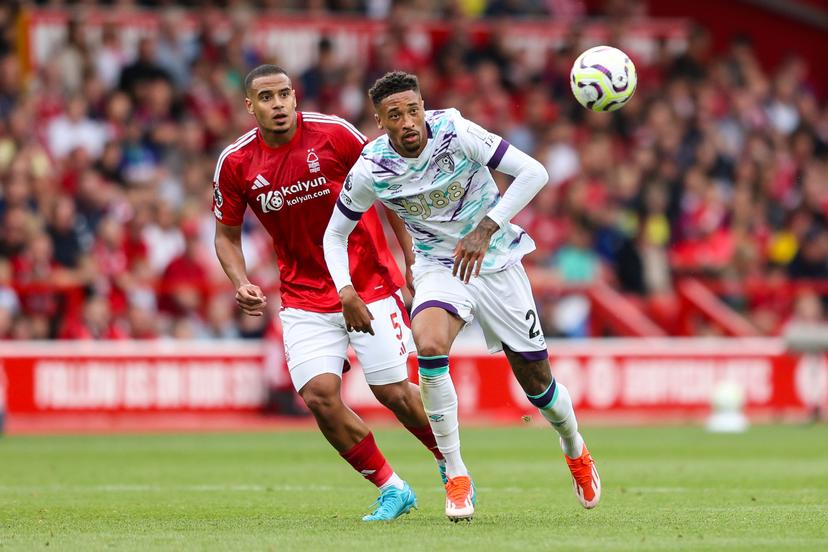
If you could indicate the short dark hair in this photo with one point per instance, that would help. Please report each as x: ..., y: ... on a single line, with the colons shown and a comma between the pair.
x: 391, y: 83
x: 261, y: 71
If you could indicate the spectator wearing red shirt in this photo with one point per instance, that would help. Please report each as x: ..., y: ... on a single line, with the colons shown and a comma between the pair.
x: 95, y: 323
x: 184, y: 281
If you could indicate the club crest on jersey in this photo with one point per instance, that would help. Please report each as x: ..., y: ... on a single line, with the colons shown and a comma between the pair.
x: 313, y: 161
x: 445, y: 162
x: 271, y: 201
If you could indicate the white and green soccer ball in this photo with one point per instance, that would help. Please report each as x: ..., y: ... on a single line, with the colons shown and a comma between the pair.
x: 603, y: 78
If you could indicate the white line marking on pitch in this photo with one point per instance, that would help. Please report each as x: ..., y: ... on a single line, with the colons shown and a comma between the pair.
x: 162, y: 488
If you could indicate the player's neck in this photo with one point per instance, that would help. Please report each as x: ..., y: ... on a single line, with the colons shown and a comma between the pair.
x: 277, y: 139
x: 414, y: 155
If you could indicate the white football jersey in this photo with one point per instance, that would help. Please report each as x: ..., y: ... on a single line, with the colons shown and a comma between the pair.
x: 441, y: 195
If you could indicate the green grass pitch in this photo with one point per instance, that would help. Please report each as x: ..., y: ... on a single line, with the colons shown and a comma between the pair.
x: 665, y: 488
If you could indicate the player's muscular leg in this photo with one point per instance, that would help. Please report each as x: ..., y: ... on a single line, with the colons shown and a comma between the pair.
x: 434, y: 331
x: 403, y: 399
x: 534, y: 376
x: 339, y: 424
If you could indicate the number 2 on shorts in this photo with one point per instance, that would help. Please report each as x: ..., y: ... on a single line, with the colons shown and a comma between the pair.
x: 533, y: 332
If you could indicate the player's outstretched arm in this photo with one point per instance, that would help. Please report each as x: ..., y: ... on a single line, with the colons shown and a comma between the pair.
x: 250, y: 297
x: 335, y: 244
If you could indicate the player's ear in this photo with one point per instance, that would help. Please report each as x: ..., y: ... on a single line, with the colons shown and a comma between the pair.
x: 249, y: 105
x: 378, y: 120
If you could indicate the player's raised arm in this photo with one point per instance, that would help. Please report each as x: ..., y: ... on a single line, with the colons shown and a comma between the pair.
x: 356, y: 197
x: 250, y: 297
x: 496, y: 153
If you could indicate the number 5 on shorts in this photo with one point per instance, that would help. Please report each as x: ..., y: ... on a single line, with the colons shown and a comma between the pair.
x: 396, y: 325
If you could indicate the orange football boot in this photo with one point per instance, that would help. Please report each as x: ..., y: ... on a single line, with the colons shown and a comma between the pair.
x: 585, y: 479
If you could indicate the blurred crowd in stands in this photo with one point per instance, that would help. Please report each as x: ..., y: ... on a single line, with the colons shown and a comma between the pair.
x: 718, y: 168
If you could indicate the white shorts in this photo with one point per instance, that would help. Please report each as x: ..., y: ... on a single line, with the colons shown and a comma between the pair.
x: 501, y: 302
x: 312, y: 335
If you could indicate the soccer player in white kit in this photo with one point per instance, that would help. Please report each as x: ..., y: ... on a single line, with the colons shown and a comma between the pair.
x: 432, y: 169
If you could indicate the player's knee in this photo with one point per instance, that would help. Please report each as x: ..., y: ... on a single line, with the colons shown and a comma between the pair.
x: 395, y: 398
x: 319, y: 399
x: 429, y: 346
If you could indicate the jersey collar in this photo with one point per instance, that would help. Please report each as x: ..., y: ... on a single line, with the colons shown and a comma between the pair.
x: 293, y: 141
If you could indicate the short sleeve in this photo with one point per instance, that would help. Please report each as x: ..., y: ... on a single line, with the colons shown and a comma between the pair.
x: 349, y: 142
x: 228, y: 203
x: 478, y: 143
x: 357, y: 193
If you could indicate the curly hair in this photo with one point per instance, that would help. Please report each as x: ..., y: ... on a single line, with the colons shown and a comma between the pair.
x: 391, y: 83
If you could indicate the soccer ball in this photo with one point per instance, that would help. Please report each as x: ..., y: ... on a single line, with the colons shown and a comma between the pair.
x: 603, y: 78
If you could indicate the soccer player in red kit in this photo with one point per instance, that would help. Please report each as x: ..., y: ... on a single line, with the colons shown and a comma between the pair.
x: 289, y: 170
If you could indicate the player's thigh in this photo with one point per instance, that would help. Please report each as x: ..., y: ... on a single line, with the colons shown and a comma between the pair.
x: 442, y: 306
x: 312, y: 336
x: 507, y: 314
x: 383, y: 355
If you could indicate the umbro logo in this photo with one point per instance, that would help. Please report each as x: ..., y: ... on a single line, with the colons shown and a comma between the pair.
x: 259, y: 182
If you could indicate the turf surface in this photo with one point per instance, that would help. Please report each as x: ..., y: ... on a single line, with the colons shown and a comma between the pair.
x: 666, y: 488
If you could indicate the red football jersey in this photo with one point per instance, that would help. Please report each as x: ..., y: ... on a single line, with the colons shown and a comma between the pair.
x: 293, y: 189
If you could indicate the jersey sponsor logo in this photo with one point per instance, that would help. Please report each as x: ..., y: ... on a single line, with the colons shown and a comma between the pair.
x: 304, y: 186
x: 274, y: 200
x: 259, y: 182
x: 271, y: 201
x: 445, y: 162
x: 422, y: 205
x: 313, y: 161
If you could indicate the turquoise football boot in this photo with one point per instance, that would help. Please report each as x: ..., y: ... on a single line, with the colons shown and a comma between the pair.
x: 392, y: 503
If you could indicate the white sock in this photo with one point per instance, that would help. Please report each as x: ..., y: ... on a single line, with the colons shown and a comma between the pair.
x: 440, y: 404
x: 560, y: 414
x: 393, y: 481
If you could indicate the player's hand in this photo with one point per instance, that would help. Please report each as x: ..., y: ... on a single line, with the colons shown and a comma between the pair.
x: 469, y: 253
x: 251, y: 299
x: 357, y: 316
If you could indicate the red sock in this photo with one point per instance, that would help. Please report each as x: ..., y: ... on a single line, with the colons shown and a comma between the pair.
x: 367, y: 459
x: 426, y: 437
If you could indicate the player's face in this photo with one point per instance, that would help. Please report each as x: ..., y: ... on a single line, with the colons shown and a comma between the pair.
x: 402, y: 116
x: 272, y: 100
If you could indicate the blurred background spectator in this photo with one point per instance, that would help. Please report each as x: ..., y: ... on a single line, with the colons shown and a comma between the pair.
x: 718, y: 168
